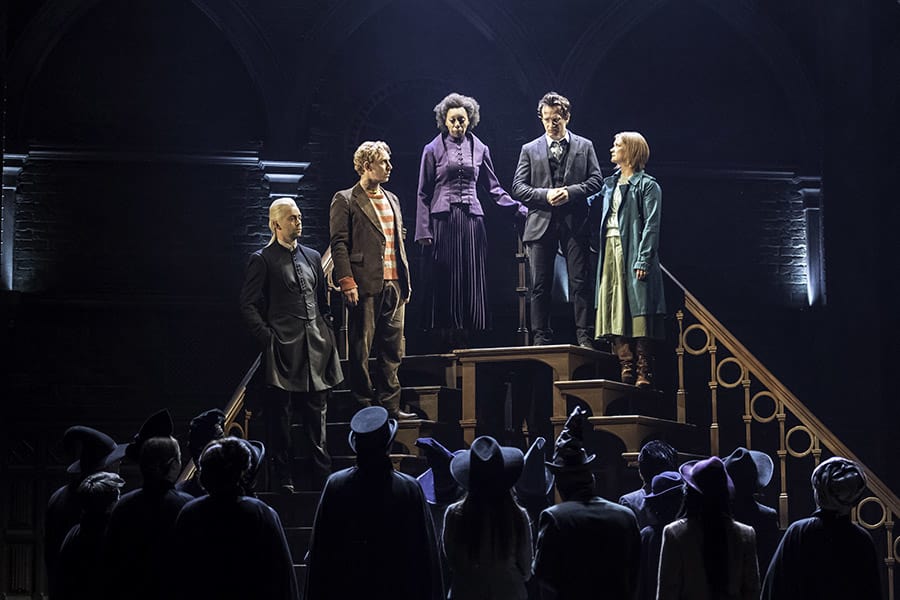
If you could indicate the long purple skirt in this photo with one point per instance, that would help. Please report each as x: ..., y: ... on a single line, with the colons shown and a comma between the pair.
x: 456, y: 297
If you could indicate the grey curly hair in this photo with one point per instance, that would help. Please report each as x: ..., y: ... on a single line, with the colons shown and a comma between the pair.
x: 455, y: 100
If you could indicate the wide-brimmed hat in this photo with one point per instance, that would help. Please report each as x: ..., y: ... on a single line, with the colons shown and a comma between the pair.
x: 666, y: 485
x: 204, y: 428
x: 159, y: 424
x: 709, y: 477
x: 436, y: 482
x: 749, y: 469
x: 487, y: 466
x: 569, y: 453
x: 536, y: 479
x: 838, y: 484
x: 97, y: 450
x: 372, y: 429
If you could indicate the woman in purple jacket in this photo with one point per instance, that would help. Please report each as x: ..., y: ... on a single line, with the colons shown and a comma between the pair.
x: 449, y: 220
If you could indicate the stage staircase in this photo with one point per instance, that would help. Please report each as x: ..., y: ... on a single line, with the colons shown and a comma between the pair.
x: 720, y: 397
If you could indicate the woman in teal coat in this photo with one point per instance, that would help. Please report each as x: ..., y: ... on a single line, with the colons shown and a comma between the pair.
x: 630, y: 301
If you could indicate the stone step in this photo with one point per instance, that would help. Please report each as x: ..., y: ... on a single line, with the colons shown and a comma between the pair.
x: 300, y: 575
x: 432, y: 403
x: 412, y: 465
x: 607, y: 398
x: 635, y: 430
x: 338, y: 434
x: 295, y: 510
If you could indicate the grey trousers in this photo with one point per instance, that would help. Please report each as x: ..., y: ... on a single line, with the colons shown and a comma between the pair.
x: 376, y: 322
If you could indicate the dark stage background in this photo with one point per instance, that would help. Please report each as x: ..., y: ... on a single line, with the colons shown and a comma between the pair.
x: 144, y: 138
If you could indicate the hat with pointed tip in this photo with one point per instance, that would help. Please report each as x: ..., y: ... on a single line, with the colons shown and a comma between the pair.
x: 536, y: 478
x: 437, y: 482
x: 159, y: 424
x: 569, y: 453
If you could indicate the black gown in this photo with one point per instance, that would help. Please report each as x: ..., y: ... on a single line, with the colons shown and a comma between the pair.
x: 373, y: 538
x: 824, y: 557
x: 232, y: 548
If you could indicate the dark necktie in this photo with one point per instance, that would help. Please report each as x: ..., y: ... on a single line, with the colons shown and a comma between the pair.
x: 556, y: 149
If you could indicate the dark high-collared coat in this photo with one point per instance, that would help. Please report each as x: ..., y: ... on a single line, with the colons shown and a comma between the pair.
x: 284, y: 304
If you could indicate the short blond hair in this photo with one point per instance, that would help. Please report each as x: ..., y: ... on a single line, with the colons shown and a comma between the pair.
x: 368, y: 152
x: 276, y: 211
x: 637, y: 152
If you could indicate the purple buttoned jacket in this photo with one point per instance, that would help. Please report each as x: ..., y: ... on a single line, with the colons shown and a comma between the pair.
x: 436, y: 192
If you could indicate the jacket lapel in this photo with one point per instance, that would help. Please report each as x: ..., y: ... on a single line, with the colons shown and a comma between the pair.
x: 574, y: 147
x: 365, y: 205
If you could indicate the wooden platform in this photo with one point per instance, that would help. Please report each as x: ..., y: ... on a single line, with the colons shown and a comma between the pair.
x: 563, y: 360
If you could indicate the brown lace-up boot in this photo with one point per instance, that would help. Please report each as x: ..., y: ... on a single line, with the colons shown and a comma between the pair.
x: 644, y: 363
x: 621, y: 346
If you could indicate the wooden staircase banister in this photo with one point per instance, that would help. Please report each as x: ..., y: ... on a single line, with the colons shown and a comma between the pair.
x: 232, y: 410
x: 775, y: 386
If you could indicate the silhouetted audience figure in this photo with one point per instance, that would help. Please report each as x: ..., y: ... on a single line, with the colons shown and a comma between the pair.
x: 97, y: 452
x: 231, y: 546
x: 663, y: 501
x: 706, y: 554
x: 751, y: 471
x: 80, y: 568
x: 440, y: 490
x: 487, y: 535
x: 138, y: 544
x: 655, y: 457
x: 587, y: 547
x: 204, y: 428
x: 827, y: 556
x: 372, y: 536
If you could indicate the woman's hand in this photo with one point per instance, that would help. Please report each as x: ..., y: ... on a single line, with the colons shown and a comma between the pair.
x: 641, y: 274
x: 426, y: 241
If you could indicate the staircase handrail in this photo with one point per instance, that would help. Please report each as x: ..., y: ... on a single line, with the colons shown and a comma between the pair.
x: 706, y: 318
x: 232, y: 410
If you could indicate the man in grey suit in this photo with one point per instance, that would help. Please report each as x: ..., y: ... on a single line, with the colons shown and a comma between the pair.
x: 555, y: 175
x: 370, y: 266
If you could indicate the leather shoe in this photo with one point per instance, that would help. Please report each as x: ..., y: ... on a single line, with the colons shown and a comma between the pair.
x: 584, y: 338
x: 402, y: 415
x: 286, y: 488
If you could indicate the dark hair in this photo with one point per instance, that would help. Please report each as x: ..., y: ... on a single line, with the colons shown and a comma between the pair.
x: 223, y: 466
x: 99, y: 492
x: 552, y: 99
x: 454, y: 100
x: 157, y: 456
x: 500, y: 515
x: 655, y: 457
x: 714, y: 514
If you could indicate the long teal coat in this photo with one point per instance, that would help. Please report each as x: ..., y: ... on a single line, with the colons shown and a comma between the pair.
x: 639, y: 217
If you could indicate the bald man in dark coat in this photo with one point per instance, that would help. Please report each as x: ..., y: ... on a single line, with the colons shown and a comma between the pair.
x: 285, y: 306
